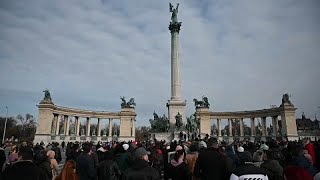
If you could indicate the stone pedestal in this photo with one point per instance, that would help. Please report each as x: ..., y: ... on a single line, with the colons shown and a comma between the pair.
x: 288, y: 120
x: 175, y: 107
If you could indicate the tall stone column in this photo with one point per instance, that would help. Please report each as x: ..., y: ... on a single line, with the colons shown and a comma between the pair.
x: 253, y: 127
x: 230, y: 126
x: 264, y: 126
x: 99, y: 127
x: 275, y: 125
x: 219, y: 126
x: 241, y: 127
x: 58, y: 124
x: 77, y: 125
x: 176, y: 104
x: 88, y: 127
x: 66, y: 129
x: 110, y: 128
x: 133, y: 133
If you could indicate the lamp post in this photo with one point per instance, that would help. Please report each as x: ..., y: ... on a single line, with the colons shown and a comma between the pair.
x: 5, y: 126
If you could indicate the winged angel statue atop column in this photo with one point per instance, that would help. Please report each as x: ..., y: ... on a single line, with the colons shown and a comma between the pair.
x: 174, y: 16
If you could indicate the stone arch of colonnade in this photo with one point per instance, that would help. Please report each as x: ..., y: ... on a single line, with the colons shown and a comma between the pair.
x: 276, y: 122
x: 57, y: 123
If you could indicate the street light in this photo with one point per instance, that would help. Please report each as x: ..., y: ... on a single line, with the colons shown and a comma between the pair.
x: 5, y: 126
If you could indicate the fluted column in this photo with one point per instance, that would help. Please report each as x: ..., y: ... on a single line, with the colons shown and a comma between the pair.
x: 253, y: 127
x: 230, y: 126
x: 88, y: 127
x: 77, y: 126
x: 99, y: 127
x: 241, y: 127
x: 133, y: 133
x: 219, y: 126
x: 110, y: 127
x: 275, y: 125
x: 57, y: 124
x: 264, y: 125
x: 66, y: 129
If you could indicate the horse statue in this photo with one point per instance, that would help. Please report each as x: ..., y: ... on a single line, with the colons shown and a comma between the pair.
x: 203, y: 103
x: 125, y: 104
x: 47, y: 95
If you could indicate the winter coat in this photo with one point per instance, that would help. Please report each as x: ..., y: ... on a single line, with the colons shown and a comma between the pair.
x: 273, y: 169
x: 211, y: 165
x: 141, y: 170
x: 248, y: 171
x: 309, y: 147
x: 25, y: 169
x: 108, y: 170
x: 178, y: 171
x: 122, y: 161
x: 85, y: 167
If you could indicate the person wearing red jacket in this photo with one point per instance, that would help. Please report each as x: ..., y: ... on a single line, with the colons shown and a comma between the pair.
x: 309, y: 147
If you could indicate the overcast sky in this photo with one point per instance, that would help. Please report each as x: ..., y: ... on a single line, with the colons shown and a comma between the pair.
x: 243, y: 54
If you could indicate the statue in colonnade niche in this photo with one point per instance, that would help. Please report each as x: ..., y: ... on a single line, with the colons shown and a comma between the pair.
x: 53, y: 126
x: 82, y: 131
x: 104, y: 132
x: 94, y: 132
x: 129, y: 104
x: 72, y: 129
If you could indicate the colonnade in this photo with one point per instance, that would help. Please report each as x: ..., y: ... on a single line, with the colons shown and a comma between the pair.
x: 67, y: 131
x: 50, y: 116
x: 275, y: 128
x: 285, y: 113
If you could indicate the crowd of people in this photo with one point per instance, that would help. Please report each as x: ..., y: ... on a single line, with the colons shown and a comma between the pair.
x: 201, y: 159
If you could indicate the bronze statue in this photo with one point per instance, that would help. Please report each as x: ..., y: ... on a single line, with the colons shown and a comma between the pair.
x: 204, y: 103
x: 47, y: 96
x: 178, y: 121
x: 125, y: 104
x: 174, y: 16
x: 285, y: 98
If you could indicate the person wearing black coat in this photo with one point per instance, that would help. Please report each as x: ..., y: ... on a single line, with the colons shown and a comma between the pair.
x: 42, y: 161
x: 177, y: 169
x: 211, y: 164
x: 85, y: 164
x: 107, y: 168
x: 140, y: 169
x: 24, y: 168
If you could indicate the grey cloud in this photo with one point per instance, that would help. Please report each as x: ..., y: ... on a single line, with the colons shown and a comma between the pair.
x: 243, y: 55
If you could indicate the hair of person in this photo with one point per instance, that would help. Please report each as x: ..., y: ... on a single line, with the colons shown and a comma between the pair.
x: 26, y: 153
x: 272, y: 154
x: 51, y: 154
x: 68, y: 171
x: 178, y: 154
x: 194, y: 147
x: 86, y: 147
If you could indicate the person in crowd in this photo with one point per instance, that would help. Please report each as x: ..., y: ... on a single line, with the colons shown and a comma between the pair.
x: 177, y: 168
x: 85, y: 164
x: 191, y: 158
x: 107, y: 168
x: 121, y: 157
x: 258, y: 158
x: 24, y: 168
x: 271, y: 165
x: 74, y: 152
x: 211, y: 164
x: 2, y: 157
x: 229, y: 152
x: 53, y: 163
x: 230, y: 163
x: 140, y: 169
x: 63, y: 144
x: 247, y: 170
x: 310, y: 149
x: 68, y: 171
x: 299, y: 167
x: 55, y: 148
x: 42, y: 161
x: 157, y: 159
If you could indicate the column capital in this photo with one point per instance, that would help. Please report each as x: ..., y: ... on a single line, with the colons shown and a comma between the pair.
x: 174, y: 27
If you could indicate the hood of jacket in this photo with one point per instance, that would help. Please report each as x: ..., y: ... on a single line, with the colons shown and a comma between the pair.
x: 273, y: 166
x: 140, y: 164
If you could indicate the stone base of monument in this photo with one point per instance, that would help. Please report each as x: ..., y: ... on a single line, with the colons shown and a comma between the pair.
x: 166, y: 136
